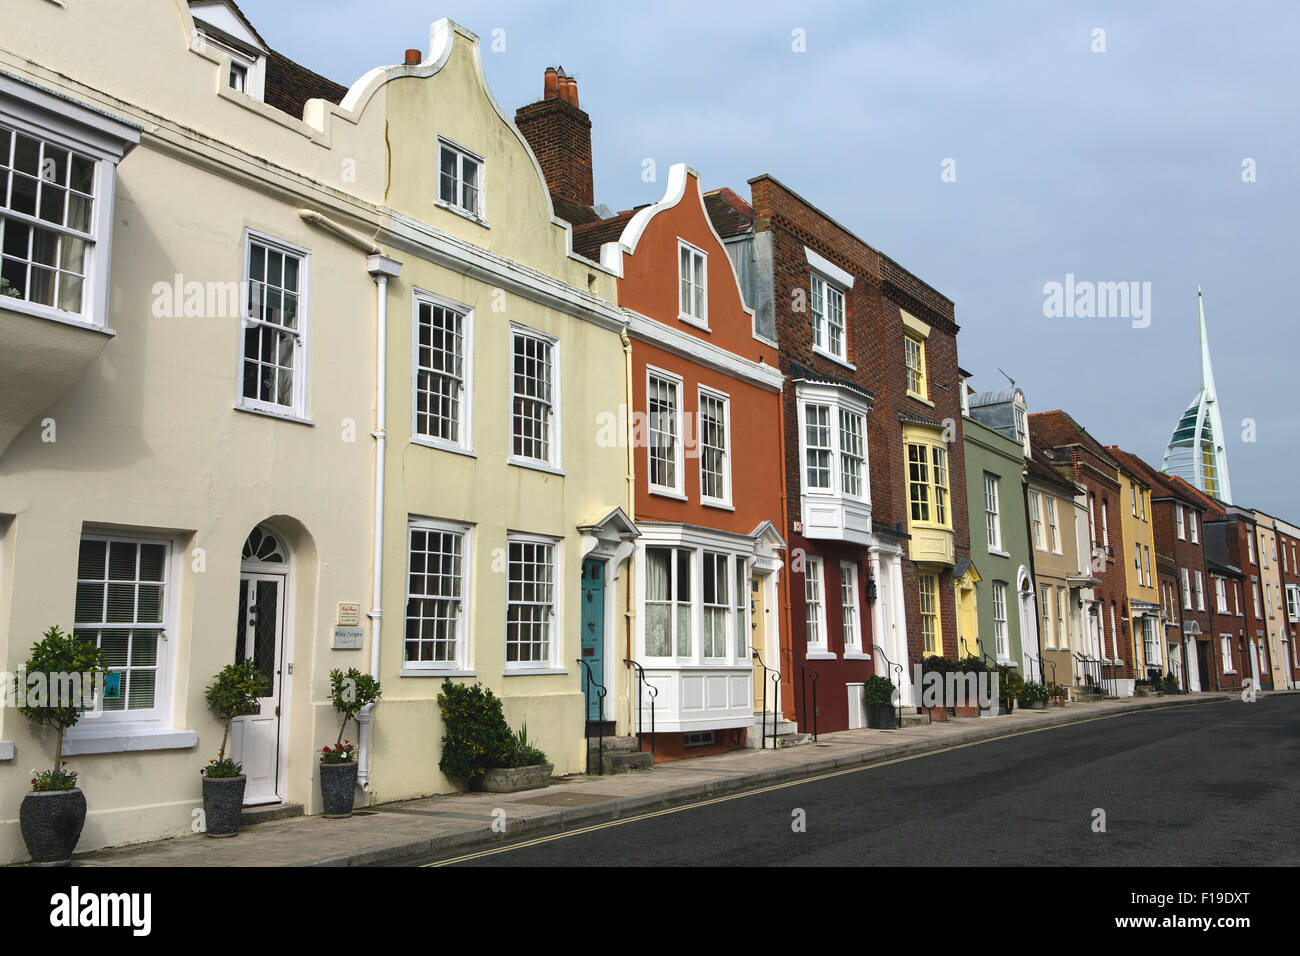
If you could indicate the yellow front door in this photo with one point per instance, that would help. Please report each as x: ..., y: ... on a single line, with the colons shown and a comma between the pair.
x: 758, y: 621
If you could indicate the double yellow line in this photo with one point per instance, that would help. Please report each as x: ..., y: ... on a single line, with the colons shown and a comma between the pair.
x: 523, y: 844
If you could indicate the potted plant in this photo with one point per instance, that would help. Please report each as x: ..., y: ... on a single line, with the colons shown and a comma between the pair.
x: 52, y: 815
x: 234, y: 692
x: 1171, y: 684
x: 479, y: 747
x: 350, y: 693
x: 936, y: 664
x: 878, y: 694
x: 1009, y: 685
x: 966, y: 666
x: 1033, y: 696
x: 1057, y: 693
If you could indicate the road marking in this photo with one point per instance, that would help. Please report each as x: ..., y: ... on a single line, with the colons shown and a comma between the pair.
x: 524, y: 844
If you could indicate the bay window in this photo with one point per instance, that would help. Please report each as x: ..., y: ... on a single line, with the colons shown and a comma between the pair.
x: 927, y: 481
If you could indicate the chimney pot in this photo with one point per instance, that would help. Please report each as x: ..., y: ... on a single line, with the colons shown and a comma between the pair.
x: 413, y: 57
x: 551, y: 84
x: 571, y: 91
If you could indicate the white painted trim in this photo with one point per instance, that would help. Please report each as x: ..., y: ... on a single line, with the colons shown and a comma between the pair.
x: 466, y: 444
x: 683, y: 344
x: 829, y: 269
x: 302, y: 335
x: 699, y: 321
x: 678, y: 488
x: 554, y: 665
x: 726, y: 500
x: 464, y: 662
x: 553, y: 464
x: 125, y: 738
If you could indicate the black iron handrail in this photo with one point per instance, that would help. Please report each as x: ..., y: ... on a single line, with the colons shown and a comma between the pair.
x: 898, y: 684
x: 804, y: 672
x: 776, y: 678
x: 589, y: 683
x: 641, y: 687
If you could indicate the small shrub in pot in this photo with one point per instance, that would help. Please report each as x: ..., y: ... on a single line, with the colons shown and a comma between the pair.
x: 236, y: 691
x: 350, y: 693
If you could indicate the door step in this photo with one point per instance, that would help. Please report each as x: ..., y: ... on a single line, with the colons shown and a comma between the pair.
x: 754, y: 739
x: 622, y: 754
x: 268, y: 812
x: 792, y: 740
x: 916, y: 720
x: 595, y: 728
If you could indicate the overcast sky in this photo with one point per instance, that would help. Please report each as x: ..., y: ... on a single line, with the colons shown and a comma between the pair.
x: 1123, y: 165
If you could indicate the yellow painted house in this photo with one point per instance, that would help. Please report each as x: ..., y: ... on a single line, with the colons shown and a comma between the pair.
x: 1145, y: 625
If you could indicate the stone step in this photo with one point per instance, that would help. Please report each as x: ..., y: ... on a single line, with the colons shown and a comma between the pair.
x: 622, y: 762
x: 594, y: 728
x: 628, y: 744
x: 915, y: 720
x: 792, y: 740
x: 268, y: 812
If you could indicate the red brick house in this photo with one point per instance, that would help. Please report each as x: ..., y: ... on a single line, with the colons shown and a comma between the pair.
x: 1107, y: 640
x: 875, y: 475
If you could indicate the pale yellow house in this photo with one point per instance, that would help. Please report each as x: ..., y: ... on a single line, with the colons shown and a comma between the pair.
x: 1143, y: 591
x: 245, y: 328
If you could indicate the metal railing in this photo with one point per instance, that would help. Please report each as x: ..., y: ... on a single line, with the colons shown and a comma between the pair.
x: 588, y: 683
x: 776, y: 683
x: 641, y: 687
x: 804, y: 672
x: 897, y: 669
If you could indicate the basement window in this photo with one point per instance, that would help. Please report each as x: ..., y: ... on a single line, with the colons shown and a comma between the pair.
x: 460, y: 180
x: 702, y: 739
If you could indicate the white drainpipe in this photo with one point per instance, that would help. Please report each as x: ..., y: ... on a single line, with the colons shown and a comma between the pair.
x: 381, y: 269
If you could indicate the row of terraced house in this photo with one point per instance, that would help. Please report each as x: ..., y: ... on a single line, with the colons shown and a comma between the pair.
x: 369, y: 374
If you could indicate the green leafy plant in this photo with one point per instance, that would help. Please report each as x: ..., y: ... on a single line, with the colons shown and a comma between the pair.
x: 477, y: 737
x: 1033, y: 692
x: 350, y: 693
x: 1010, y: 683
x: 878, y: 691
x: 234, y: 692
x: 523, y: 753
x: 67, y: 665
x: 1056, y: 691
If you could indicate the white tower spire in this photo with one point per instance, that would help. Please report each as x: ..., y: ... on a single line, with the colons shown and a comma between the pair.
x: 1197, y: 450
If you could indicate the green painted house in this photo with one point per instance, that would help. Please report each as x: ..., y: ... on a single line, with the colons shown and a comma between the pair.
x: 996, y: 443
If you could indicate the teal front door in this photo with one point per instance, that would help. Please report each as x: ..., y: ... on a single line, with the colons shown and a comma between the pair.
x: 593, y: 631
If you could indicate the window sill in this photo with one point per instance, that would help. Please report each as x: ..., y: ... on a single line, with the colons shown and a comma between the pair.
x: 124, y: 737
x: 51, y: 314
x: 838, y: 360
x: 1226, y: 673
x: 534, y: 671
x: 462, y: 212
x: 440, y: 445
x: 1000, y: 553
x: 821, y: 656
x: 281, y: 416
x: 856, y: 656
x: 715, y: 503
x: 534, y: 465
x: 918, y: 398
x: 667, y: 493
x: 408, y: 671
x: 701, y: 324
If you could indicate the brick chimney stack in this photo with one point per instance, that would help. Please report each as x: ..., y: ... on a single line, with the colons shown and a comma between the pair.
x: 559, y: 132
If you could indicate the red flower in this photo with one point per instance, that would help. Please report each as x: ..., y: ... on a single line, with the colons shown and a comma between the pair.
x: 324, y: 750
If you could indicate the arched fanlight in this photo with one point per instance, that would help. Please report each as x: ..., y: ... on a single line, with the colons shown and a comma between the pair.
x: 262, y: 544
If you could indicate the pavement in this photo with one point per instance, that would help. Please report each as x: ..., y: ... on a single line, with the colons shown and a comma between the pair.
x: 424, y: 829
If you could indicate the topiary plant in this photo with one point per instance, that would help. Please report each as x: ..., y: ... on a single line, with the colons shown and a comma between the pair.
x: 67, y: 666
x: 878, y: 691
x: 234, y: 692
x: 350, y: 693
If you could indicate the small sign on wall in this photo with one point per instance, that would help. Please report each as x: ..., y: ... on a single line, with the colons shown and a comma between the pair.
x: 349, y: 614
x: 347, y: 638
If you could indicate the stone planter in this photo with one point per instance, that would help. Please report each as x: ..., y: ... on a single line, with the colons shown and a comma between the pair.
x: 338, y: 787
x: 223, y: 804
x: 881, y: 716
x: 51, y: 823
x: 511, y: 779
x: 1038, y: 705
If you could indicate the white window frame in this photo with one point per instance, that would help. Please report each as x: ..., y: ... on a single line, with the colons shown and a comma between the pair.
x: 1105, y: 525
x: 1221, y: 594
x: 1187, y: 588
x: 302, y: 334
x: 1180, y: 522
x: 992, y: 513
x: 1191, y: 526
x: 704, y: 394
x: 254, y: 67
x: 1036, y: 520
x: 159, y: 716
x: 1198, y: 585
x: 817, y: 601
x: 552, y: 460
x: 723, y: 560
x: 463, y: 156
x: 673, y: 603
x: 1062, y: 625
x: 830, y: 291
x: 697, y: 258
x: 1146, y: 564
x: 837, y: 405
x: 850, y: 613
x: 1225, y: 647
x: 1254, y: 593
x: 464, y: 444
x: 935, y: 614
x: 1053, y: 529
x: 1293, y: 603
x: 1045, y: 603
x: 1001, y: 640
x: 461, y: 663
x: 674, y: 381
x: 555, y: 634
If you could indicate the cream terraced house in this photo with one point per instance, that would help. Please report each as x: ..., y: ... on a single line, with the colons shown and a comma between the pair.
x: 252, y: 318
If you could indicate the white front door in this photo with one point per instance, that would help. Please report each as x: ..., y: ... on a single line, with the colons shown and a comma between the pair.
x: 255, y: 740
x: 1254, y: 663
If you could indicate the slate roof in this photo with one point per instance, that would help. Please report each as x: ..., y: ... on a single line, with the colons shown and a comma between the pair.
x: 731, y: 216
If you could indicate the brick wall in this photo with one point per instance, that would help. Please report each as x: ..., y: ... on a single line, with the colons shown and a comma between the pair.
x: 560, y: 136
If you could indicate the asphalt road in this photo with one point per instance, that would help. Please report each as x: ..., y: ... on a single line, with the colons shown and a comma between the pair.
x: 1215, y: 784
